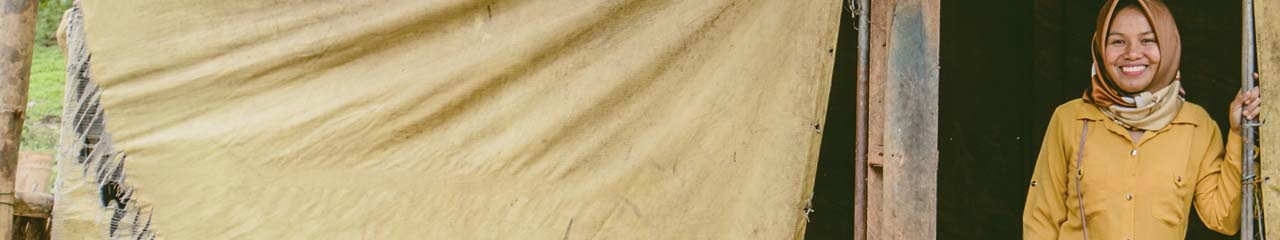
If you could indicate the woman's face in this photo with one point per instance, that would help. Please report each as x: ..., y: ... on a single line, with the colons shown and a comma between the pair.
x: 1132, y: 54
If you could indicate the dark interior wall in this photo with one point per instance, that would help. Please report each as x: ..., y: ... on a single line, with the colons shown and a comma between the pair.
x: 1006, y: 64
x: 988, y: 112
x: 833, y: 185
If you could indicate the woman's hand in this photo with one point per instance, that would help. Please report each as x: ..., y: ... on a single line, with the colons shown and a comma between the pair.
x: 1246, y: 103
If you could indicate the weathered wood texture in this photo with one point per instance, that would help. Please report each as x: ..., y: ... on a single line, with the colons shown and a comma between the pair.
x: 880, y: 21
x: 33, y: 204
x: 32, y: 185
x: 911, y: 129
x: 17, y: 21
x: 33, y: 173
x: 1267, y: 30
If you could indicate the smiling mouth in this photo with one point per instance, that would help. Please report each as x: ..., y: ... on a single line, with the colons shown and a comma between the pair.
x: 1133, y: 70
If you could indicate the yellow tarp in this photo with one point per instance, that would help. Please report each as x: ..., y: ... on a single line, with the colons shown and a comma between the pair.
x: 415, y: 119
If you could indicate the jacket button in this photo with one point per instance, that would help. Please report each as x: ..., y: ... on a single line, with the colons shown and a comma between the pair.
x: 1133, y: 153
x: 1128, y: 196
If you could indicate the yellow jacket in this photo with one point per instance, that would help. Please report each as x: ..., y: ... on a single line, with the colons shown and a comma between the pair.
x: 1141, y: 191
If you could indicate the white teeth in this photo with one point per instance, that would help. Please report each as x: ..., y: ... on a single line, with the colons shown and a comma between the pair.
x: 1133, y: 69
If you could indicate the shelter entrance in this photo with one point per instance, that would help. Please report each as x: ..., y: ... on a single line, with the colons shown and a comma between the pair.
x: 1007, y: 64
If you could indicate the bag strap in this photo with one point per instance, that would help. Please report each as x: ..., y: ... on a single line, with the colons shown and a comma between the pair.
x: 1080, y: 174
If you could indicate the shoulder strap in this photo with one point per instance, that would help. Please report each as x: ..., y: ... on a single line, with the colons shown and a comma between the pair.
x: 1079, y: 174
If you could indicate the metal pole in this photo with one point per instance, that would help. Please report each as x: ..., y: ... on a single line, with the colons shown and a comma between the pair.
x: 1247, y: 127
x: 860, y: 129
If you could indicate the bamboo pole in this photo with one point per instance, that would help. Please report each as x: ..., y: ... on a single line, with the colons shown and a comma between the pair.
x: 18, y: 20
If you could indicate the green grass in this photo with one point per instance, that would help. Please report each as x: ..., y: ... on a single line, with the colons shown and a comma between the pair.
x: 44, y: 100
x: 48, y: 74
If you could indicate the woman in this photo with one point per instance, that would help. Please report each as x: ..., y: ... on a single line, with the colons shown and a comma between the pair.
x: 1127, y: 160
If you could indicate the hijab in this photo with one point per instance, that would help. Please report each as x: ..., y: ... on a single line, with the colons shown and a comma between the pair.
x: 1143, y: 110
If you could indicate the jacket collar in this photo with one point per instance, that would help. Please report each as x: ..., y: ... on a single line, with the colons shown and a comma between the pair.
x: 1092, y: 113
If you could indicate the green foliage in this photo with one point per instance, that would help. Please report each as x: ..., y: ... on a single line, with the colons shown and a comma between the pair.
x: 47, y: 19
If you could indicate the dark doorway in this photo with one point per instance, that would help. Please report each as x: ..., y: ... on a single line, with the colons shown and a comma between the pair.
x: 833, y: 186
x: 1006, y: 64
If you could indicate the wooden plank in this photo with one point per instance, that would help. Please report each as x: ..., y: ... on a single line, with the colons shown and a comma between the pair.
x: 33, y: 173
x: 880, y: 20
x: 33, y: 204
x: 32, y: 185
x: 875, y: 201
x: 17, y: 18
x: 1267, y: 32
x: 911, y: 129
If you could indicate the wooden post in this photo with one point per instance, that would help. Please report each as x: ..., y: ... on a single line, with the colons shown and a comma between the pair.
x: 911, y: 122
x: 18, y: 21
x: 1267, y: 30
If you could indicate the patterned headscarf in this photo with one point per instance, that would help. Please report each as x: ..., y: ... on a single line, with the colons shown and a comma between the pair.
x: 1144, y: 110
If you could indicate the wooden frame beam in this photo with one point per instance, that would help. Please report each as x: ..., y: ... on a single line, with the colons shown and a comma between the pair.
x: 18, y: 19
